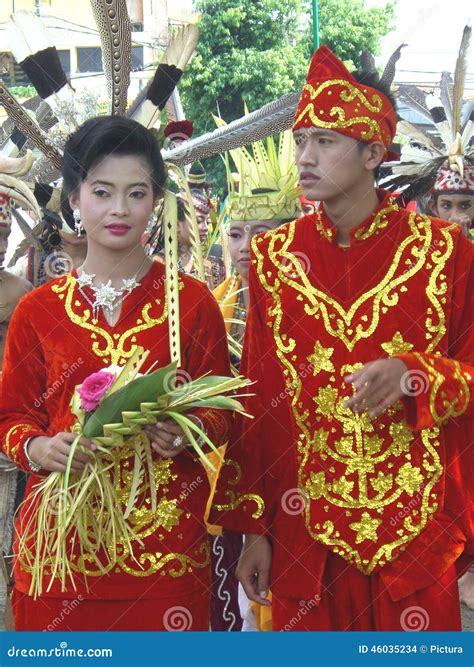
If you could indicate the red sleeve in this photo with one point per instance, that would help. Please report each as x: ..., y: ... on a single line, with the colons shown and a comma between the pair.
x: 442, y: 387
x: 23, y: 386
x: 207, y: 354
x: 240, y: 500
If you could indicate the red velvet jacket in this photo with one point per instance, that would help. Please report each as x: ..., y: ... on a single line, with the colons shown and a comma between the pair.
x: 52, y: 345
x: 392, y: 495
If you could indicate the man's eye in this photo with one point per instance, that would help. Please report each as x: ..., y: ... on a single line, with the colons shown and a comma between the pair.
x: 446, y: 205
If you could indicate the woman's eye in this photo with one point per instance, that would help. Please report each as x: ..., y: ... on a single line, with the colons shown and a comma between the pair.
x: 234, y: 235
x: 138, y: 194
x: 100, y: 193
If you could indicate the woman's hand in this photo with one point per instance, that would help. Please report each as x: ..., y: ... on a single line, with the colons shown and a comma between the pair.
x: 52, y: 453
x: 167, y: 438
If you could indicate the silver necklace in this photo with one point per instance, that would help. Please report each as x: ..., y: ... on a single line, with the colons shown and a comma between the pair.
x: 106, y: 296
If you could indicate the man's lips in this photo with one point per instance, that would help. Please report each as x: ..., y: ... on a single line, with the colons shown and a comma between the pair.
x: 308, y: 177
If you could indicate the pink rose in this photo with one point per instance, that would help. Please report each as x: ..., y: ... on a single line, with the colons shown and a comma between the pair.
x: 94, y: 388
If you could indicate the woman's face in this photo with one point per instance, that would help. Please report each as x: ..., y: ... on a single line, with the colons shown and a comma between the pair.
x: 184, y: 229
x: 240, y: 236
x: 116, y: 201
x: 456, y: 208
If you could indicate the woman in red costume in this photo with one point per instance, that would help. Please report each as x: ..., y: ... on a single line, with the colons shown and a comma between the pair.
x: 84, y: 321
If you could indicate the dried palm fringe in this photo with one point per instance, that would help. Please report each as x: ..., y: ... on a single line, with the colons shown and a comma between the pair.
x: 82, y: 510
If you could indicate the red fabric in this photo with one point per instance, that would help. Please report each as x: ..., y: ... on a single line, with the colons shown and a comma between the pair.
x: 333, y: 99
x: 177, y: 613
x: 51, y: 347
x: 351, y: 601
x: 310, y: 473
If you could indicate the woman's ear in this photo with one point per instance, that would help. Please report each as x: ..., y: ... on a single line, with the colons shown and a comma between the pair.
x: 73, y: 200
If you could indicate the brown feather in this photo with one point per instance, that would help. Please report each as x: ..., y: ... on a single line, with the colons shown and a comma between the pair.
x: 114, y: 28
x: 390, y: 69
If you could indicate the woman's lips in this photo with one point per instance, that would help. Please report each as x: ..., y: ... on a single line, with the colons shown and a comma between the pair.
x: 118, y: 229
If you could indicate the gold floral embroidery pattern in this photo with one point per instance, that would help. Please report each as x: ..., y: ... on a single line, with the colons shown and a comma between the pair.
x: 347, y: 93
x: 397, y: 345
x: 362, y: 473
x: 458, y: 404
x: 379, y: 222
x: 111, y: 347
x: 168, y: 518
x: 235, y: 498
x: 409, y: 259
x: 15, y: 433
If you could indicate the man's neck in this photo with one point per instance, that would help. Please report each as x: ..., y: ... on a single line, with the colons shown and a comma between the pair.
x: 349, y: 210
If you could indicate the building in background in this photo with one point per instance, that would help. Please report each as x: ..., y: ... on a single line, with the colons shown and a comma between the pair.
x: 73, y: 31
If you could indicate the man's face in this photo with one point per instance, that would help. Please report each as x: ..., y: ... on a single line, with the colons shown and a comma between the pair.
x: 330, y: 164
x: 456, y: 208
x: 4, y: 234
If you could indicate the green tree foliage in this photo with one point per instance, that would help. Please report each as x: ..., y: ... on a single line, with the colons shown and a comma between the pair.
x: 255, y: 51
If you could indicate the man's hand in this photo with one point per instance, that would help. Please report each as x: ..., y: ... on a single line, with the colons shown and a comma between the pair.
x: 52, y: 453
x: 463, y: 220
x: 378, y: 385
x: 253, y: 570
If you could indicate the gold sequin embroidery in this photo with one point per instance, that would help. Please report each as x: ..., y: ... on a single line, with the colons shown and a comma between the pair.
x: 110, y: 349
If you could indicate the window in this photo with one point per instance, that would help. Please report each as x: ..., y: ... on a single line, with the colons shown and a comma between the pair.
x: 65, y: 59
x: 137, y: 58
x: 89, y: 59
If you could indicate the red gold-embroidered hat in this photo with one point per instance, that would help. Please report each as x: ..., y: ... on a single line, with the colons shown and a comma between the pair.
x: 333, y: 99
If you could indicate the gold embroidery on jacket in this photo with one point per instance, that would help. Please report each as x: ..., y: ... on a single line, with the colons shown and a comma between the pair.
x: 111, y: 347
x: 367, y: 467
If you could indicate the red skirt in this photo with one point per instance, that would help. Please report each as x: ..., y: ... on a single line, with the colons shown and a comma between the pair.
x: 351, y: 600
x: 190, y: 613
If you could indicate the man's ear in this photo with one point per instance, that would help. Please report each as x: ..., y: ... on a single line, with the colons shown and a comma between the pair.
x: 375, y: 154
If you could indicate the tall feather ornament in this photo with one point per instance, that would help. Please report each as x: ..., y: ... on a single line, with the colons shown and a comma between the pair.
x: 28, y: 126
x: 114, y: 28
x: 460, y: 80
x: 147, y: 106
x: 36, y: 54
x: 414, y: 98
x: 446, y: 95
x: 269, y: 119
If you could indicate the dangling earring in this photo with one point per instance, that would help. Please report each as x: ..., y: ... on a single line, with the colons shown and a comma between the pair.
x: 76, y: 214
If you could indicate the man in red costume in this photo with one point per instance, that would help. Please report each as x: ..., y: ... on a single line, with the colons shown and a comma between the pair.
x: 353, y: 482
